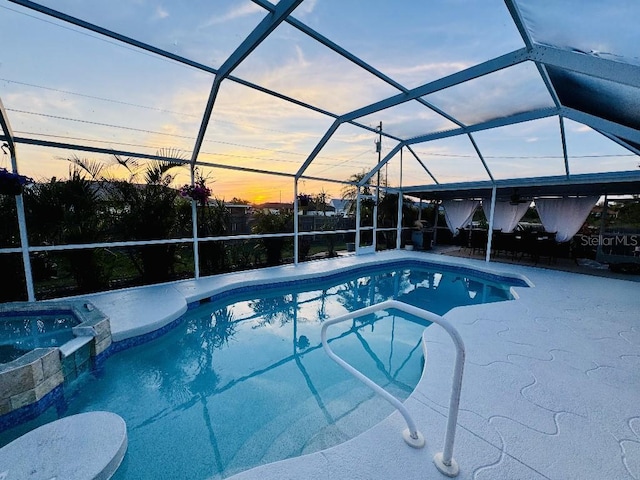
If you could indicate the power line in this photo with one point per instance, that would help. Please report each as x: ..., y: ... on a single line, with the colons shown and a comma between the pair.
x: 153, y: 132
x: 109, y: 142
x: 89, y: 122
x: 141, y: 106
x: 95, y: 97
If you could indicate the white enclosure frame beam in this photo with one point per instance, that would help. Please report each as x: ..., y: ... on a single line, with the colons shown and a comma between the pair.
x: 598, y: 123
x: 319, y: 146
x: 146, y: 156
x: 587, y: 64
x: 563, y: 137
x: 354, y: 59
x: 426, y: 169
x: 479, y: 153
x: 489, y: 124
x: 498, y: 122
x: 400, y: 204
x: 296, y: 220
x: 8, y: 133
x: 249, y: 44
x: 620, y: 142
x: 22, y: 221
x: 490, y: 66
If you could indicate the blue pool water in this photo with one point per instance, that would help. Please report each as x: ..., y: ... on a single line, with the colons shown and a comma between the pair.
x: 244, y: 381
x: 21, y: 332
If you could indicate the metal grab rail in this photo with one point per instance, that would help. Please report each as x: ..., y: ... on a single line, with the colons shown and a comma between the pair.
x: 443, y: 460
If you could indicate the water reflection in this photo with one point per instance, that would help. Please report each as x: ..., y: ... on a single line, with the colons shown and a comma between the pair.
x: 241, y: 349
x: 215, y: 326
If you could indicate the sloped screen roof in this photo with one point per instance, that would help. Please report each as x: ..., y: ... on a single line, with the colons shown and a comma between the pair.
x: 508, y: 93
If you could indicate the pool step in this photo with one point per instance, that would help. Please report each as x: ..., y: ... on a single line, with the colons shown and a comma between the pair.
x: 87, y: 446
x: 305, y: 429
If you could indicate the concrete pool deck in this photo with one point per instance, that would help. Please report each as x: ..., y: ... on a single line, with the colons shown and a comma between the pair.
x: 551, y: 386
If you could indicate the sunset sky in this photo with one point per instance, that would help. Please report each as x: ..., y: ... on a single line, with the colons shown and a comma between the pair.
x: 59, y: 82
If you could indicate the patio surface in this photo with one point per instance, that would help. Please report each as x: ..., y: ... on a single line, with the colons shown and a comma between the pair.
x: 551, y: 382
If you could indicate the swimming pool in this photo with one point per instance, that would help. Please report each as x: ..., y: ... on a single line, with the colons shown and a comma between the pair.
x: 242, y: 379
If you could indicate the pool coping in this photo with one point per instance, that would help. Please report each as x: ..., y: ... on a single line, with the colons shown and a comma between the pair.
x: 141, y: 314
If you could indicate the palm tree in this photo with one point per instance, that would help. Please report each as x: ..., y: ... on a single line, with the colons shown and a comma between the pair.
x: 350, y: 193
x: 71, y: 212
x: 143, y: 207
x: 147, y: 212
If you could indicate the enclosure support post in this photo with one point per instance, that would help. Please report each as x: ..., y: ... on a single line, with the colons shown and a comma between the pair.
x: 603, y: 222
x: 5, y: 127
x: 358, y: 220
x: 296, y: 227
x: 400, y: 202
x: 490, y: 232
x: 194, y: 222
x: 24, y: 242
x: 377, y: 198
x: 436, y: 207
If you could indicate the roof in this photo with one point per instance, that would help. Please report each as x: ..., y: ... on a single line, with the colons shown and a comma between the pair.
x: 494, y: 92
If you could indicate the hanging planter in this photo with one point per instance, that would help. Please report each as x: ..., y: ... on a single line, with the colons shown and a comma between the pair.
x: 198, y: 192
x: 12, y: 183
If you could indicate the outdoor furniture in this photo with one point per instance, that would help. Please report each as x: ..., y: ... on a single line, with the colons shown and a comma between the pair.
x: 478, y: 241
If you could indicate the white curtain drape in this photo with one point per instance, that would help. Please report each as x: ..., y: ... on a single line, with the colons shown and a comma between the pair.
x: 459, y: 213
x: 505, y: 216
x: 564, y: 215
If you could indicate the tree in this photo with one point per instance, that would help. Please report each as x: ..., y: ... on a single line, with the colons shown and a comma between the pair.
x: 268, y: 222
x: 147, y: 212
x: 12, y: 284
x: 71, y: 212
x: 629, y: 214
x: 213, y: 219
x: 320, y: 202
x: 350, y: 194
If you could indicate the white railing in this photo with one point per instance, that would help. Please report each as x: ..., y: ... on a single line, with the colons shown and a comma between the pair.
x: 443, y: 460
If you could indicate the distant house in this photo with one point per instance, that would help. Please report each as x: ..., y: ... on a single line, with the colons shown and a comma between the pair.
x: 340, y: 207
x: 320, y: 210
x: 612, y: 211
x: 275, y: 207
x: 240, y: 215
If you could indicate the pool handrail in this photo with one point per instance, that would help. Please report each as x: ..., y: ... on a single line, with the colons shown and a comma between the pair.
x: 444, y: 460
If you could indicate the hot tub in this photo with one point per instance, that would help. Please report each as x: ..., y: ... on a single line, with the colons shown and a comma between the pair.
x: 22, y: 331
x: 42, y: 346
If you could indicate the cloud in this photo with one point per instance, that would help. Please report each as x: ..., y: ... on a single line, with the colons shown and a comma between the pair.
x: 305, y: 9
x: 428, y: 70
x: 160, y: 13
x: 245, y: 10
x: 579, y: 128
